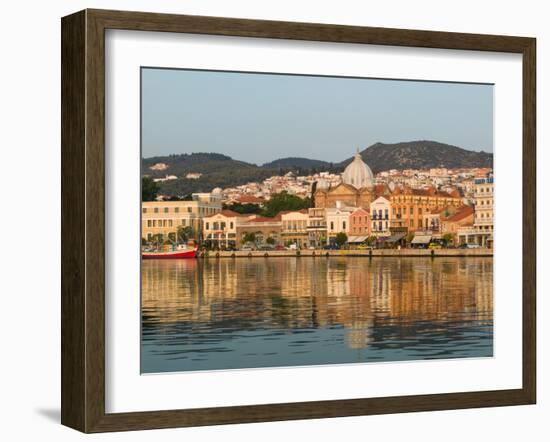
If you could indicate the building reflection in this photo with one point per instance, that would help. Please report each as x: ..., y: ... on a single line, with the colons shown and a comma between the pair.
x: 357, y: 294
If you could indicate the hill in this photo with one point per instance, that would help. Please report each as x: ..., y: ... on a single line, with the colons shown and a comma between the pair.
x: 421, y: 155
x: 217, y: 171
x: 223, y: 171
x: 297, y: 163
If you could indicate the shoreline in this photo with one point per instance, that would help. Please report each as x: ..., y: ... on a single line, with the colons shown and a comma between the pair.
x: 379, y: 253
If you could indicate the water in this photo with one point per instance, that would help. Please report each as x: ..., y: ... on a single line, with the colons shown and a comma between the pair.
x: 273, y: 312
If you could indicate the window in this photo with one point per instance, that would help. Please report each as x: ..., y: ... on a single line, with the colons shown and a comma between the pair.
x: 231, y: 225
x: 176, y: 209
x: 144, y: 210
x: 207, y: 226
x: 189, y: 210
x: 343, y: 225
x: 149, y: 223
x: 154, y: 223
x: 170, y: 223
x: 156, y: 210
x: 223, y: 226
x: 166, y: 210
x: 411, y: 210
x: 332, y: 225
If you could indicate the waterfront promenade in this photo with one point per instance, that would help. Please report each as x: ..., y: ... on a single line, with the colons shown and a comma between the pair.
x: 359, y: 253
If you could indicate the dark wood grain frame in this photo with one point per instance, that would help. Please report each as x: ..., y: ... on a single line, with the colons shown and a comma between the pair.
x: 83, y: 220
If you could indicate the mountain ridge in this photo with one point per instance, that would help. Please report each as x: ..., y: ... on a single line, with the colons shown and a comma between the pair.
x: 220, y: 170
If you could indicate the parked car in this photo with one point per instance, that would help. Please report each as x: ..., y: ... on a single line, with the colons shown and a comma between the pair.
x: 279, y: 247
x: 364, y: 247
x: 331, y: 247
x: 267, y: 247
x: 248, y: 247
x: 434, y: 245
x: 469, y: 246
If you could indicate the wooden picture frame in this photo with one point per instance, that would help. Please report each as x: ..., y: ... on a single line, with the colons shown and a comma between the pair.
x: 83, y: 220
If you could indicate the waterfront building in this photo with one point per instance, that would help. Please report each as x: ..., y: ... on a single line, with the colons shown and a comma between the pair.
x: 380, y: 211
x: 410, y: 205
x: 338, y: 220
x: 220, y: 228
x: 356, y: 188
x: 294, y: 227
x: 482, y: 231
x: 165, y: 217
x: 461, y: 218
x: 359, y: 223
x: 317, y: 227
x: 262, y: 227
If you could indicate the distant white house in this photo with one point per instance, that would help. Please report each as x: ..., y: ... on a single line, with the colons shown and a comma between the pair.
x: 193, y: 176
x: 159, y: 166
x: 166, y: 178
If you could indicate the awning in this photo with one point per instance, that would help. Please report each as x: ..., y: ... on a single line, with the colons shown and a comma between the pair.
x: 356, y: 239
x: 396, y: 237
x: 421, y: 239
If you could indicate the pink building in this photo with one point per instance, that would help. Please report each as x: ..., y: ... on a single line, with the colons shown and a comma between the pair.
x: 359, y: 223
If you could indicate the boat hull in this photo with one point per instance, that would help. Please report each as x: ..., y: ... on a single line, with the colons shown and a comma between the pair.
x: 177, y: 254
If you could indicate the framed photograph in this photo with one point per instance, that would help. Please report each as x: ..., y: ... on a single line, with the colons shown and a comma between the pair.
x: 267, y: 220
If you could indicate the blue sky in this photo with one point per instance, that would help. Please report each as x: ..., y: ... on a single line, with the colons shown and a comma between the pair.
x: 262, y: 117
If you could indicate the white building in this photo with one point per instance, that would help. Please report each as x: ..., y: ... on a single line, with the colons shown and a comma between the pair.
x: 380, y: 212
x: 337, y: 219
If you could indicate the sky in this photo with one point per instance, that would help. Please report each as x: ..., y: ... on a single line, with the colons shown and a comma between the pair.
x: 262, y: 117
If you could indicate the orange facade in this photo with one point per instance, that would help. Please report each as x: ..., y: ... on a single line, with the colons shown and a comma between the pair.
x: 410, y: 206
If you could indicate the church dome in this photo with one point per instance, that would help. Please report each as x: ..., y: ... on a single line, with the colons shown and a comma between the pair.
x: 358, y: 174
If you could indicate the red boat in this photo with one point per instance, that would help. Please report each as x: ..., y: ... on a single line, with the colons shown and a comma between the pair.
x: 179, y: 253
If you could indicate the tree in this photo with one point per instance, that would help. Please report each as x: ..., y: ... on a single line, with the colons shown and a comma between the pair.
x: 341, y: 238
x: 447, y: 239
x: 285, y: 201
x: 249, y: 237
x: 270, y: 240
x: 149, y: 189
x: 243, y: 208
x: 371, y: 240
x: 185, y: 233
x: 157, y: 238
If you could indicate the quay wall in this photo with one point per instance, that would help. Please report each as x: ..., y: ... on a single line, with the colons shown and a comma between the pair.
x: 338, y: 253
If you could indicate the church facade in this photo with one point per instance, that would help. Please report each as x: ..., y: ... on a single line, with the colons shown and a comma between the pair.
x: 356, y: 189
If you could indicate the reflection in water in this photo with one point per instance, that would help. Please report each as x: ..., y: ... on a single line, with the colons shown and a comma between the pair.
x: 271, y: 312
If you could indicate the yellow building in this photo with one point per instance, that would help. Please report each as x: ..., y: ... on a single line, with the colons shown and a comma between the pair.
x: 165, y: 217
x: 409, y: 206
x: 221, y: 228
x: 317, y: 226
x: 294, y: 227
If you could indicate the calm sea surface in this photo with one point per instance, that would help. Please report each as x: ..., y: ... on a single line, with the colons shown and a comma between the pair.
x: 272, y: 312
